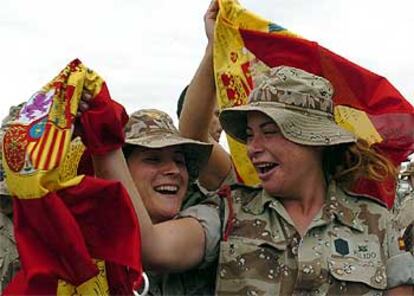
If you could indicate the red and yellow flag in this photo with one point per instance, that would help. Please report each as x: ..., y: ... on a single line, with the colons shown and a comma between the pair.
x: 75, y: 234
x: 365, y: 103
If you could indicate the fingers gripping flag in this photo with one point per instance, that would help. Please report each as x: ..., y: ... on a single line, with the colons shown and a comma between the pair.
x: 365, y: 103
x: 75, y: 234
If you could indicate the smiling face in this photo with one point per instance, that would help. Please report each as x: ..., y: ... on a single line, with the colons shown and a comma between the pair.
x: 284, y: 168
x: 161, y: 178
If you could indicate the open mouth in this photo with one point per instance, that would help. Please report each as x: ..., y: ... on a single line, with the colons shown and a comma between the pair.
x: 264, y: 168
x: 167, y: 189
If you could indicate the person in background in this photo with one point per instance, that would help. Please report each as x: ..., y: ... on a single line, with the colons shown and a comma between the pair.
x: 404, y: 208
x: 196, y: 190
x: 214, y: 127
x: 9, y: 258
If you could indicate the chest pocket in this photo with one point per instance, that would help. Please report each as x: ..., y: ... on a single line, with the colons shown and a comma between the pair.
x: 357, y: 265
x: 249, y: 267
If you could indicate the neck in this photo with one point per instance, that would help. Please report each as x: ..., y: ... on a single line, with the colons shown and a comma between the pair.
x: 307, y: 202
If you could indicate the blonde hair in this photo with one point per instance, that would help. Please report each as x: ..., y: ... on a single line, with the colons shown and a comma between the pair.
x: 347, y: 163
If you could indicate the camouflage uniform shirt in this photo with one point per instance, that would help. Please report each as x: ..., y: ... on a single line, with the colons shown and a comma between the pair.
x: 350, y: 247
x: 404, y: 219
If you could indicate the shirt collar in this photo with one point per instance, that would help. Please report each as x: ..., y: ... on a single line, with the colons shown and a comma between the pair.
x: 336, y: 207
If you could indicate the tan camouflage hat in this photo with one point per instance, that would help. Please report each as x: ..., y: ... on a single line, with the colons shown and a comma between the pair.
x: 300, y: 103
x: 153, y: 128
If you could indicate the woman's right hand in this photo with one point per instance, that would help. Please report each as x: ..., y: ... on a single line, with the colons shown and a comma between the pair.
x: 210, y: 19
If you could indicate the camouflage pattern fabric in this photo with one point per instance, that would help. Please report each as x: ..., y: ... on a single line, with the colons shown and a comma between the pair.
x: 404, y: 213
x: 404, y: 219
x: 300, y: 103
x: 350, y: 248
x: 193, y: 282
x: 9, y: 258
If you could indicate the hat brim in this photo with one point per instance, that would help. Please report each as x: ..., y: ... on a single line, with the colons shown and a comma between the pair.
x: 308, y: 129
x: 196, y: 153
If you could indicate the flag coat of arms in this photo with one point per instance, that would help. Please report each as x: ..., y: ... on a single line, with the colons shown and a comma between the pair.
x: 75, y: 234
x: 365, y: 103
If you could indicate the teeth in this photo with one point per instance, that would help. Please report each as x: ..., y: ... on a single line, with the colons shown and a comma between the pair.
x: 166, y: 188
x: 265, y: 165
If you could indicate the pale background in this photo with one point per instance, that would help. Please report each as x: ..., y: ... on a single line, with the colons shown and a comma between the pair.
x: 147, y: 51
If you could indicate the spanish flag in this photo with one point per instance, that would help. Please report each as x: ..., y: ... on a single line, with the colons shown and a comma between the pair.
x: 75, y: 234
x: 365, y: 103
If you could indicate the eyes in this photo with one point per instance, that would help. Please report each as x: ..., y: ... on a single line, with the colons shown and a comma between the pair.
x: 156, y: 158
x: 269, y: 130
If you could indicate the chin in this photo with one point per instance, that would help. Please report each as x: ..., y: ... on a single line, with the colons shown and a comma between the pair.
x: 165, y: 216
x: 271, y: 190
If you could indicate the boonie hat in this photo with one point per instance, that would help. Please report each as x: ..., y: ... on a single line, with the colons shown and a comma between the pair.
x: 154, y: 129
x: 300, y: 103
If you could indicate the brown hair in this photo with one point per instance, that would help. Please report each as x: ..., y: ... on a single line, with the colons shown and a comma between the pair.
x: 348, y: 162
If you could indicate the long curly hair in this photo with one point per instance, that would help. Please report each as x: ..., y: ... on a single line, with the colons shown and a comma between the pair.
x: 348, y: 162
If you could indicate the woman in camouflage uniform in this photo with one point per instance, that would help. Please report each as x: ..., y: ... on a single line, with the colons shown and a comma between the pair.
x: 163, y: 165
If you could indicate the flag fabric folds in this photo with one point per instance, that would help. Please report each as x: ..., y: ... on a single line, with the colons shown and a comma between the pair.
x: 365, y: 103
x: 75, y: 234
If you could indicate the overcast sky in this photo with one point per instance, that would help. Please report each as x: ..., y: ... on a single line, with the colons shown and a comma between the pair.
x: 148, y: 50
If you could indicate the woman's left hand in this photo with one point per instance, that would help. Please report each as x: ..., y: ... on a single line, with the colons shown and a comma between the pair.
x: 82, y: 107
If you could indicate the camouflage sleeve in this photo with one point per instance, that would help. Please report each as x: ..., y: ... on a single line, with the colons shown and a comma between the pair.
x: 208, y: 214
x: 400, y: 263
x: 9, y: 260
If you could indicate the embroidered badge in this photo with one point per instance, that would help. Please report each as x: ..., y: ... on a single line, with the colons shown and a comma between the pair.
x: 341, y: 246
x: 366, y: 251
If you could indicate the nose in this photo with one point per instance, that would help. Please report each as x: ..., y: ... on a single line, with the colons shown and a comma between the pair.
x: 254, y: 146
x: 170, y: 168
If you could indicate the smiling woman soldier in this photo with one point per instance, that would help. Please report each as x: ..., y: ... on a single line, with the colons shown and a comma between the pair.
x: 162, y: 165
x: 302, y: 232
x: 161, y: 162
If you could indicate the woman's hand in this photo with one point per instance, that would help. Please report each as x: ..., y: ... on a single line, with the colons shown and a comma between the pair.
x: 82, y: 107
x: 84, y: 102
x: 210, y: 19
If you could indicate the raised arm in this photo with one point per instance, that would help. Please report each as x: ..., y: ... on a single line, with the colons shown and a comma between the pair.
x: 174, y: 245
x: 199, y: 107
